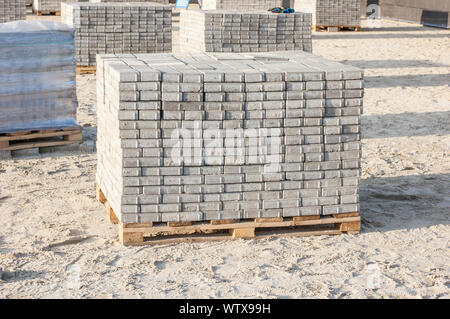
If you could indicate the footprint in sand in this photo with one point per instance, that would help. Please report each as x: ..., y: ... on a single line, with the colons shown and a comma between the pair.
x: 160, y: 265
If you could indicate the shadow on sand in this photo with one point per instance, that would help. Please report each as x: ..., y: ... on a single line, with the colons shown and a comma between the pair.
x: 406, y: 202
x: 405, y: 124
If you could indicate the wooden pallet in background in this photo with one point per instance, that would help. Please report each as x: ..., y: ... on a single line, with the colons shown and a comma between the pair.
x: 217, y: 230
x: 40, y: 13
x: 86, y: 69
x: 333, y: 28
x: 40, y: 138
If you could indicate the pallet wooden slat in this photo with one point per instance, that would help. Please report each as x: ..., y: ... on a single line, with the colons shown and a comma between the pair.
x: 86, y: 70
x: 155, y: 229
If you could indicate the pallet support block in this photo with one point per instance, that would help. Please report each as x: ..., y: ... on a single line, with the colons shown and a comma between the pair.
x: 349, y: 227
x: 242, y: 233
x: 73, y: 137
x: 130, y: 237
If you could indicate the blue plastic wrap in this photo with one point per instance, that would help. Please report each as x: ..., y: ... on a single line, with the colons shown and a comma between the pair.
x: 37, y: 76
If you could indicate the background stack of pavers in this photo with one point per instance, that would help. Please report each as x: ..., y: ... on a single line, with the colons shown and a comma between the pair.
x: 256, y: 31
x: 12, y: 10
x: 308, y: 106
x: 241, y: 5
x: 48, y: 5
x: 332, y: 12
x: 118, y: 28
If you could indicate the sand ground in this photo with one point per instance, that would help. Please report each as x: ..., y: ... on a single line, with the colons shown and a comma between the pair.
x: 55, y: 240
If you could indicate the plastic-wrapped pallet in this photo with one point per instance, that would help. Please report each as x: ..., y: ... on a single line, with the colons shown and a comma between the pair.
x: 345, y: 13
x: 240, y: 5
x: 211, y: 136
x: 129, y: 27
x: 12, y: 10
x: 255, y: 31
x: 37, y: 76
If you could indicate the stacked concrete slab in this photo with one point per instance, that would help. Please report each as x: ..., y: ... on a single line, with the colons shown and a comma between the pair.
x: 129, y: 27
x: 12, y: 10
x: 240, y: 5
x: 210, y: 136
x: 332, y: 12
x: 256, y: 31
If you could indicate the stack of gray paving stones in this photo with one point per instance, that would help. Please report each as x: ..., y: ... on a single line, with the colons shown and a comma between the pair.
x: 118, y: 28
x: 332, y: 12
x: 241, y: 5
x: 12, y: 10
x: 258, y: 31
x: 307, y: 164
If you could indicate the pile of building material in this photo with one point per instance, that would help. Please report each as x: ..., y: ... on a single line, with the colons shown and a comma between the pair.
x: 256, y: 31
x: 118, y: 28
x: 12, y: 10
x: 240, y: 5
x: 339, y: 13
x: 220, y: 136
x: 37, y: 76
x: 48, y: 6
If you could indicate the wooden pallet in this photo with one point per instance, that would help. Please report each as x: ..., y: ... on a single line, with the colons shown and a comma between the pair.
x: 41, y: 13
x: 333, y: 28
x: 216, y: 230
x: 40, y: 138
x: 86, y: 69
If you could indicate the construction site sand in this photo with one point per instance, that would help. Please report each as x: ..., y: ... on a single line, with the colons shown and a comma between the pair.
x: 55, y: 240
